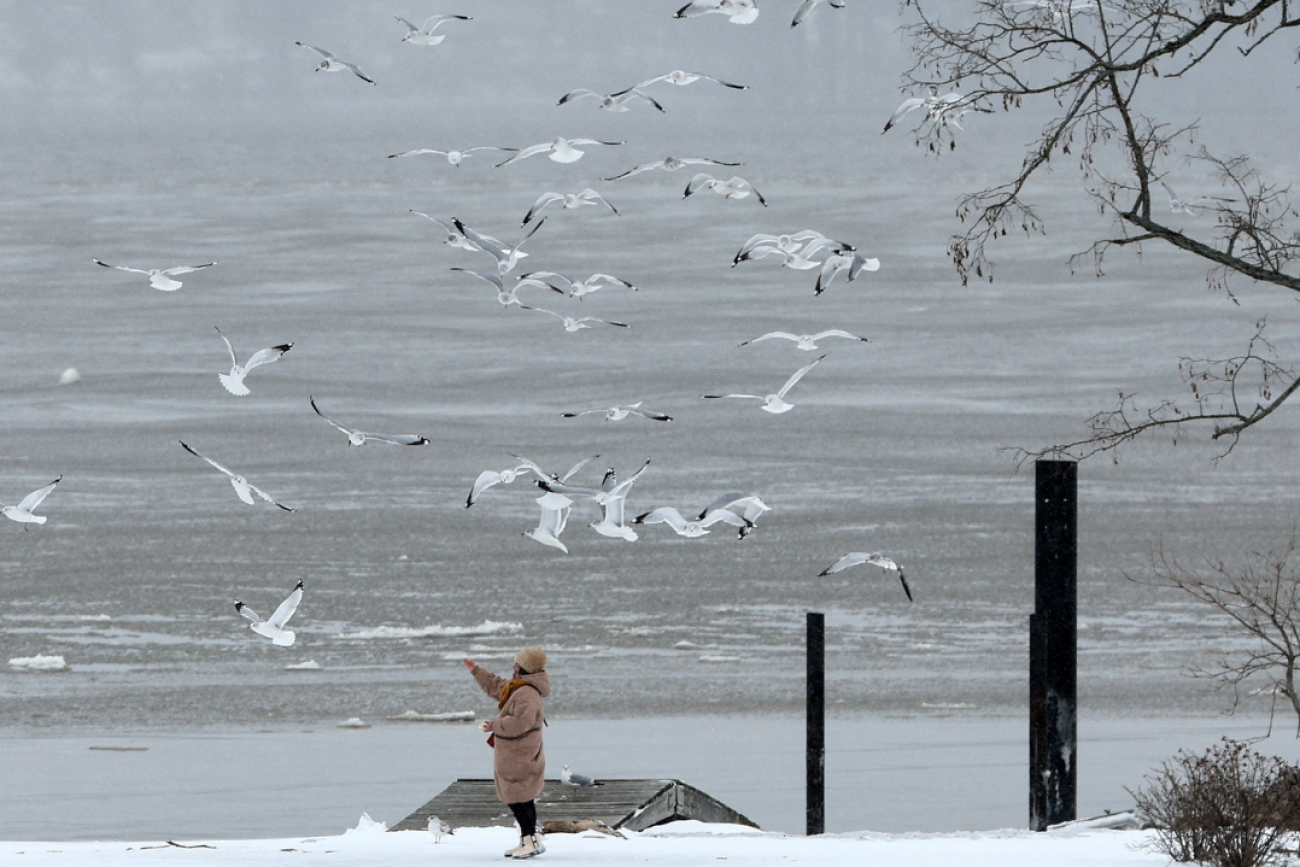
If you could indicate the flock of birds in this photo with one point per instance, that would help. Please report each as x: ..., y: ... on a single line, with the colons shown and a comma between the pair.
x: 804, y: 250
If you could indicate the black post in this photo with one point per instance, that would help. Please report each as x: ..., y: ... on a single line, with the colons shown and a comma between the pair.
x: 1053, y: 647
x: 815, y: 756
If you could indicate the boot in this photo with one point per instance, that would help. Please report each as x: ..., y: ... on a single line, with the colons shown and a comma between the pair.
x: 532, y: 846
x: 511, y: 853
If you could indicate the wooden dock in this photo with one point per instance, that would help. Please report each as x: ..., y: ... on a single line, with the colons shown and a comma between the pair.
x: 631, y: 804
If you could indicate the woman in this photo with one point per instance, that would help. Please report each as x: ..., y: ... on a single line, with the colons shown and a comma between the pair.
x: 518, y: 763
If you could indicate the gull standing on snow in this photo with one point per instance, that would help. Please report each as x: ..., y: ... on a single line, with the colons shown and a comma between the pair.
x: 806, y: 342
x: 691, y: 529
x: 618, y: 413
x: 610, y: 101
x: 488, y: 478
x: 851, y: 261
x: 22, y: 513
x: 808, y: 5
x: 439, y: 828
x: 572, y: 324
x: 360, y: 437
x: 682, y: 78
x: 159, y: 278
x: 775, y: 403
x: 453, y: 157
x: 875, y: 558
x: 273, y: 626
x: 234, y: 381
x: 737, y: 11
x: 578, y: 288
x: 334, y: 64
x: 569, y: 200
x: 424, y: 35
x: 733, y: 188
x: 671, y: 164
x: 559, y: 149
x: 507, y: 297
x: 507, y: 257
x: 241, y: 485
x: 555, y: 515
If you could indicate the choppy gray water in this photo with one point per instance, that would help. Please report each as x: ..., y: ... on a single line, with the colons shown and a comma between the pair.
x: 893, y: 445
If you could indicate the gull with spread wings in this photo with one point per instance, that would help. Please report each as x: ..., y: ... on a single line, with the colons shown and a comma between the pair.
x: 360, y: 437
x: 775, y: 403
x: 234, y: 381
x: 240, y: 484
x: 273, y: 626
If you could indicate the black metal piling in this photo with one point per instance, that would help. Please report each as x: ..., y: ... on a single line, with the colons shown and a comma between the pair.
x: 1053, y: 647
x: 815, y: 753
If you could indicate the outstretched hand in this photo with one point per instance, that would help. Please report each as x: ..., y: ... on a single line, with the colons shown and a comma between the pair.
x: 469, y: 663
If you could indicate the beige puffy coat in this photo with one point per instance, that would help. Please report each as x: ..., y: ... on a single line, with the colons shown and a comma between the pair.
x: 518, y: 762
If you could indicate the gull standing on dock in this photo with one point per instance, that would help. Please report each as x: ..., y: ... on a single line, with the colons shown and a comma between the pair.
x: 360, y: 437
x: 22, y: 513
x: 240, y: 484
x: 273, y: 626
x: 874, y: 558
x: 159, y: 278
x: 234, y: 381
x: 775, y: 403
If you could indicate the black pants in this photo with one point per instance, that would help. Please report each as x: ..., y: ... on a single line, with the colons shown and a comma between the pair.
x: 526, y: 815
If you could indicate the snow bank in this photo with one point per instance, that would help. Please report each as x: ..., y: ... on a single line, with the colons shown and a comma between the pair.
x: 487, y: 627
x: 39, y: 663
x: 679, y: 844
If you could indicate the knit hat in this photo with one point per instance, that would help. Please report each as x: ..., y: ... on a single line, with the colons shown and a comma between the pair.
x: 531, y: 659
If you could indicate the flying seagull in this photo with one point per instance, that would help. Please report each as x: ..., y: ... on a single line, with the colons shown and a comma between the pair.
x: 737, y: 11
x: 682, y: 78
x: 808, y: 5
x: 241, y: 485
x: 692, y: 529
x: 806, y: 342
x: 22, y: 512
x: 234, y: 381
x: 1185, y: 206
x: 555, y: 514
x: 875, y: 559
x: 273, y: 627
x: 610, y: 101
x: 572, y: 324
x: 745, y: 503
x: 507, y: 257
x: 732, y: 188
x: 568, y: 202
x: 334, y: 64
x: 456, y: 239
x: 488, y: 478
x: 360, y: 437
x: 808, y: 242
x: 848, y: 261
x: 618, y: 413
x: 946, y: 108
x: 559, y: 149
x: 671, y: 164
x: 424, y: 35
x: 507, y: 297
x: 159, y: 278
x: 578, y: 288
x: 453, y: 157
x: 776, y: 403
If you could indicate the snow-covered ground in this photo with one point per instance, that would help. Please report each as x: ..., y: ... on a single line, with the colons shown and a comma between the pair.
x: 675, y: 845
